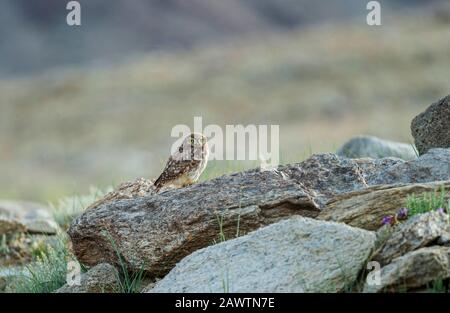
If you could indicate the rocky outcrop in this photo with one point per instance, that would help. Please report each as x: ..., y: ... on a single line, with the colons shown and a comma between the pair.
x: 419, y: 231
x: 430, y: 167
x: 366, y: 208
x: 102, y: 278
x: 140, y: 187
x: 295, y: 255
x: 413, y: 270
x: 376, y: 148
x: 431, y: 128
x: 158, y: 230
x: 327, y: 175
x: 414, y: 256
x: 29, y: 217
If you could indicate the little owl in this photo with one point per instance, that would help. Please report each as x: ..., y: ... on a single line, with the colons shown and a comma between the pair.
x: 186, y: 164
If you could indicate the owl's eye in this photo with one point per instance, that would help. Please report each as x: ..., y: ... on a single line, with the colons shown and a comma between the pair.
x: 180, y: 149
x: 192, y: 141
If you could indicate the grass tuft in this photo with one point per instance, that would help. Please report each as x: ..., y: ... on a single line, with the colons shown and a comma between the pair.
x: 48, y: 272
x: 428, y: 202
x: 129, y: 282
x: 439, y: 286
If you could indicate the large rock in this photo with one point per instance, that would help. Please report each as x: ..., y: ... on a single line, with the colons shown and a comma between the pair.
x: 413, y: 270
x: 366, y: 208
x: 431, y: 128
x: 295, y: 255
x: 102, y: 278
x: 417, y: 232
x: 327, y: 175
x: 432, y: 166
x: 160, y: 229
x: 21, y: 216
x: 373, y: 147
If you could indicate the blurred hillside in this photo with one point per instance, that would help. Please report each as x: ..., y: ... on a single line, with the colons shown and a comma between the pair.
x: 35, y: 36
x: 64, y: 130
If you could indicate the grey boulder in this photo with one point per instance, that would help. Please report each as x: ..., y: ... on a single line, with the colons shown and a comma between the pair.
x: 417, y: 232
x: 295, y: 255
x: 431, y: 128
x: 158, y: 230
x: 366, y: 208
x: 21, y: 216
x: 412, y: 271
x: 376, y: 148
x: 432, y: 166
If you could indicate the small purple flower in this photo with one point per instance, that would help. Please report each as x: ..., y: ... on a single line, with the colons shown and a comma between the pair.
x: 441, y: 210
x: 388, y: 220
x: 402, y: 214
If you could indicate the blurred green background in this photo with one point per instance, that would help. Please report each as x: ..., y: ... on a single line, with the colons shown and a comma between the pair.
x: 95, y: 105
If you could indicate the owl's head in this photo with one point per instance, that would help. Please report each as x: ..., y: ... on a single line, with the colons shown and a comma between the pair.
x: 193, y: 147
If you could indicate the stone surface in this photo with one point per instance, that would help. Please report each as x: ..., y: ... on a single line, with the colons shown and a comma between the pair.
x: 48, y: 226
x: 413, y: 270
x: 326, y: 175
x: 102, y: 278
x: 417, y: 232
x: 365, y: 208
x: 161, y: 229
x: 140, y: 187
x: 295, y: 255
x: 148, y: 288
x: 431, y: 128
x: 373, y: 147
x: 20, y: 216
x: 7, y: 274
x: 432, y: 166
x: 8, y: 226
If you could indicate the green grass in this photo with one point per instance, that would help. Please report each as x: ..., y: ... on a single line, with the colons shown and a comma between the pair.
x: 221, y: 236
x: 416, y: 152
x: 220, y: 222
x: 428, y: 202
x: 47, y: 273
x: 39, y: 248
x: 226, y: 282
x: 4, y: 247
x: 438, y: 286
x: 129, y: 281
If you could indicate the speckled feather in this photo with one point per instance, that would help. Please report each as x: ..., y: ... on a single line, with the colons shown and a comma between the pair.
x: 186, y: 164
